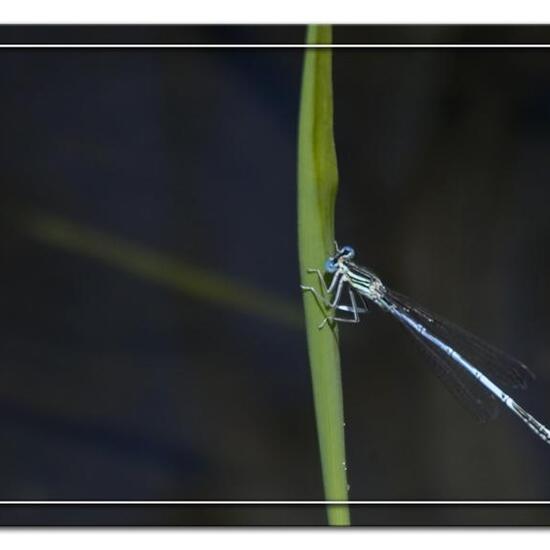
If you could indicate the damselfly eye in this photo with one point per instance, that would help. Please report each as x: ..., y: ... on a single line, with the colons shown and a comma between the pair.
x: 330, y: 266
x: 348, y: 252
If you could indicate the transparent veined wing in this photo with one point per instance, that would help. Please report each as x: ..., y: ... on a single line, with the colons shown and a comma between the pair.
x: 495, y: 364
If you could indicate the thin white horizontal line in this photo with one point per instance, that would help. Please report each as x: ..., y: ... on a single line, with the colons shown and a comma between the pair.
x: 248, y: 502
x: 264, y: 46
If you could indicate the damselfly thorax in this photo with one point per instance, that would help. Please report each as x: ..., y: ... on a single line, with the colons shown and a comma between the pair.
x: 364, y: 281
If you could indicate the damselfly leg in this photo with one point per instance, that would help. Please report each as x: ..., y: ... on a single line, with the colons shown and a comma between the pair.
x: 351, y: 309
x: 327, y: 289
x: 335, y: 288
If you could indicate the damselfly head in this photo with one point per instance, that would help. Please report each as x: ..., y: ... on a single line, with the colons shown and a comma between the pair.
x: 344, y: 253
x: 331, y: 265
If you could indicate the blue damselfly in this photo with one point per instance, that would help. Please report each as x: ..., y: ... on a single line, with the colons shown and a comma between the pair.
x: 474, y: 371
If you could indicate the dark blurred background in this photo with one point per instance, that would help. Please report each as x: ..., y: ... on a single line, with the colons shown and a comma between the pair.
x: 115, y: 385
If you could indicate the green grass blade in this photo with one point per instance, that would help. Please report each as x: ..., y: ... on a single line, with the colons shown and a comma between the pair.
x: 181, y: 276
x: 317, y: 186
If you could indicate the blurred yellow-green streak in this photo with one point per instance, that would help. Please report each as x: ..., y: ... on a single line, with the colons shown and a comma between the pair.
x: 160, y: 269
x: 317, y: 186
